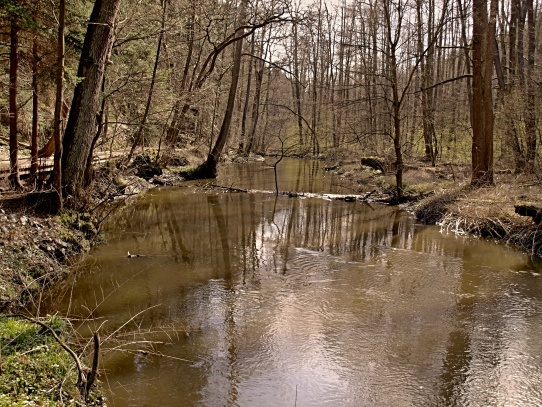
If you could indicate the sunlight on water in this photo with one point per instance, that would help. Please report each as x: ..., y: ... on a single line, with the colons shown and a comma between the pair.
x: 252, y: 300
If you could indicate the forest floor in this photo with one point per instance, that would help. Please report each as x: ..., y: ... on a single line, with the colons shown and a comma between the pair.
x: 36, y: 248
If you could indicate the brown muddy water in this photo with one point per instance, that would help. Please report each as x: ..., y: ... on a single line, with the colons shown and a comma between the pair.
x: 253, y: 300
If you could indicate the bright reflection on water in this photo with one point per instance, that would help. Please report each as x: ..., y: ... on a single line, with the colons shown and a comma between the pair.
x: 308, y: 302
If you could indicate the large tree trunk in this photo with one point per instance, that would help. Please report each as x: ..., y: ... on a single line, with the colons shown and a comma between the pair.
x: 482, y: 107
x: 81, y: 126
x: 13, y: 110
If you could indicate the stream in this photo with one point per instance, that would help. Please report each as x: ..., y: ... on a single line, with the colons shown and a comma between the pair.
x: 248, y: 299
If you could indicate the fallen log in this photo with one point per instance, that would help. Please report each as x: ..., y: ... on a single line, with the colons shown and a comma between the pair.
x: 293, y: 194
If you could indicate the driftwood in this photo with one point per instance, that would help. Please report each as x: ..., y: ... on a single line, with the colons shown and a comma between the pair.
x: 374, y: 196
x: 293, y: 194
x: 533, y: 211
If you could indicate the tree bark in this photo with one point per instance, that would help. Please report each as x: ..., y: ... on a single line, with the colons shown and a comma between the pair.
x: 482, y: 108
x: 81, y: 126
x: 13, y: 109
x: 209, y: 168
x: 57, y: 175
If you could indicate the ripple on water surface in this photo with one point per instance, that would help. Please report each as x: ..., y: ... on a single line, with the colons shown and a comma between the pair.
x: 312, y: 302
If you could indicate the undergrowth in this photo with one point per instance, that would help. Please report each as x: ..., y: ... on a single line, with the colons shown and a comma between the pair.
x: 34, y: 369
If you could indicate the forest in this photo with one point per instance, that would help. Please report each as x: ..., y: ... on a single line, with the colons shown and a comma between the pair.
x: 404, y: 80
x: 443, y: 95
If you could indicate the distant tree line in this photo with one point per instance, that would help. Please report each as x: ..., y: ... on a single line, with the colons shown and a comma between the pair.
x: 447, y: 80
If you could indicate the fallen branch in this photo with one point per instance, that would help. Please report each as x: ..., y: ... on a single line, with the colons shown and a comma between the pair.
x: 293, y: 194
x: 232, y: 189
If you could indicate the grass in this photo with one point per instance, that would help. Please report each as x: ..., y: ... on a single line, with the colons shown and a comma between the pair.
x: 35, y: 370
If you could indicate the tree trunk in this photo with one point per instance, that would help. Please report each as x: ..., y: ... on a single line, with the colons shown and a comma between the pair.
x: 209, y: 168
x: 515, y: 6
x: 13, y: 109
x: 244, y: 142
x: 468, y: 59
x: 259, y: 69
x: 297, y: 85
x: 392, y: 41
x: 81, y: 126
x: 482, y: 111
x: 139, y: 138
x: 35, y: 105
x: 57, y: 175
x: 181, y: 107
x: 530, y: 108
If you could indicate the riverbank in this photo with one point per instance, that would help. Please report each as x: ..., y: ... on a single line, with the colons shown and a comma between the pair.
x: 449, y: 201
x: 38, y: 250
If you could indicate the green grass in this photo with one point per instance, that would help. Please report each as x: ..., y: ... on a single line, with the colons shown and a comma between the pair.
x: 34, y: 369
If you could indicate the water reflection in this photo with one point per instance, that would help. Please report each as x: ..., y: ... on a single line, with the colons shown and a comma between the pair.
x: 281, y: 301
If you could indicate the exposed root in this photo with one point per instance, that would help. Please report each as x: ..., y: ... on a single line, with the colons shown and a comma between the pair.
x: 503, y: 231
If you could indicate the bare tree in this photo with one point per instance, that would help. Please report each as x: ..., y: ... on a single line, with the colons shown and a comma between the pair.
x: 209, y: 168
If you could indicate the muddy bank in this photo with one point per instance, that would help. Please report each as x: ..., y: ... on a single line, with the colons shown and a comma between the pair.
x: 37, y: 249
x: 447, y: 199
